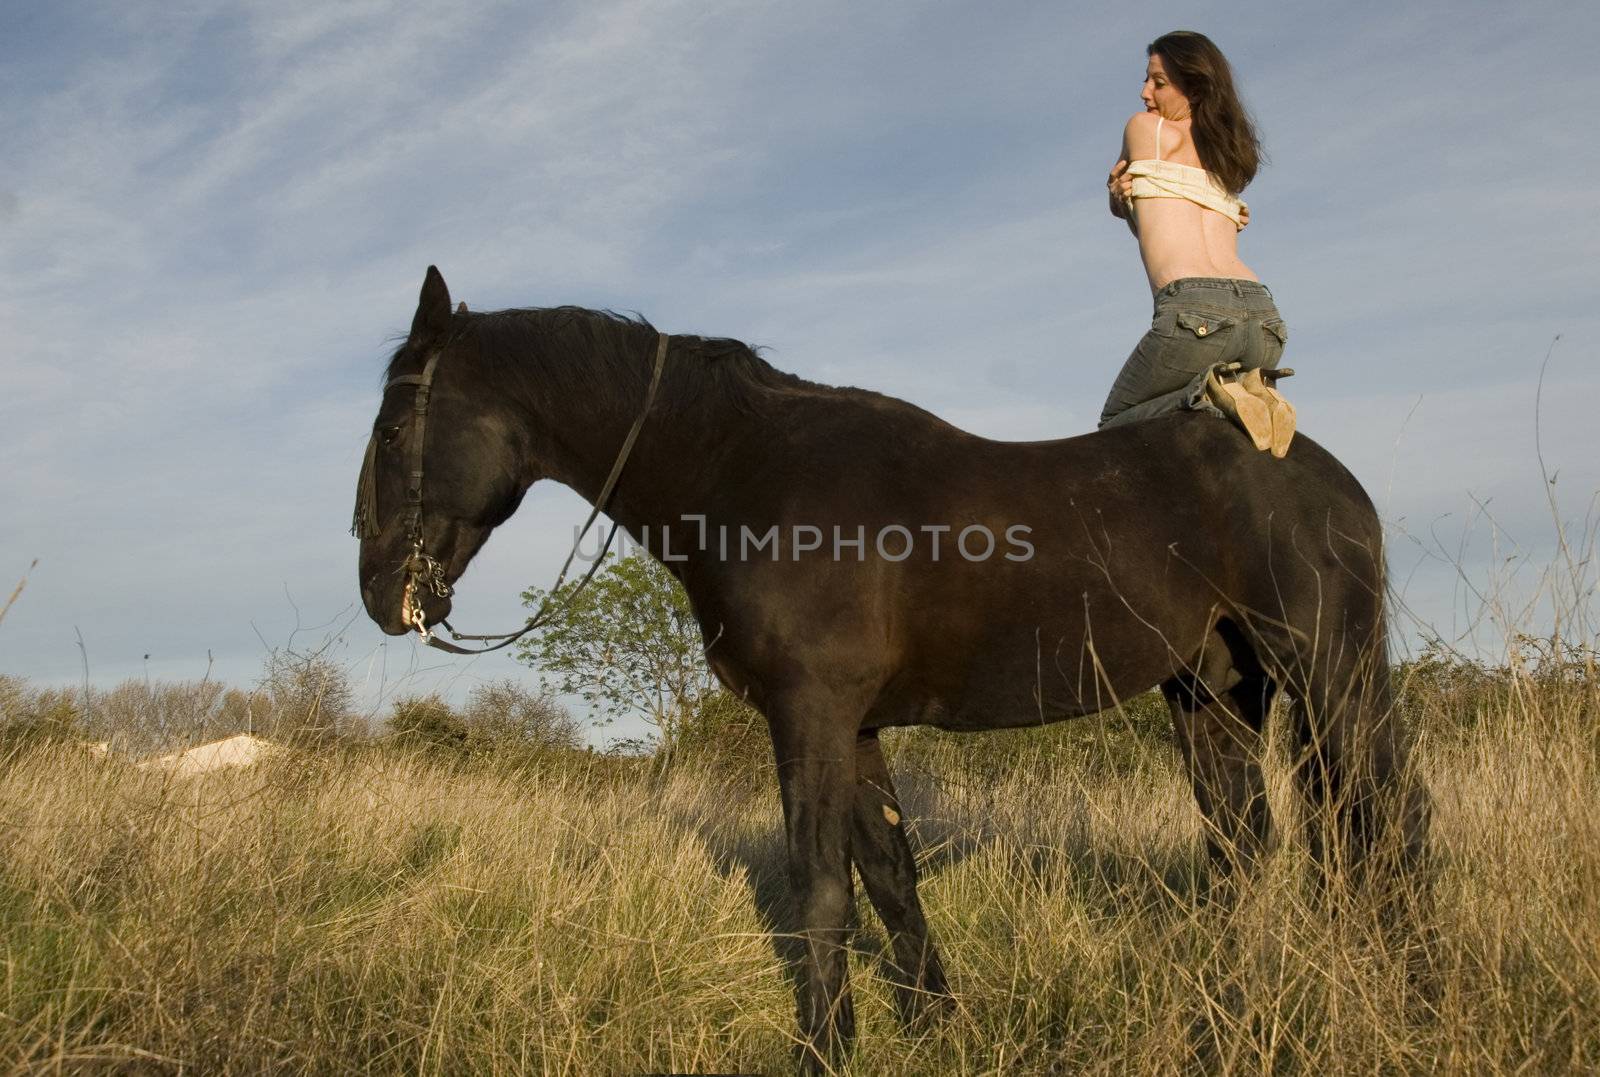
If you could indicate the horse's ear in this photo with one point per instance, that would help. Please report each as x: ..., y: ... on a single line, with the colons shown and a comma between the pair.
x: 432, y: 321
x: 461, y: 307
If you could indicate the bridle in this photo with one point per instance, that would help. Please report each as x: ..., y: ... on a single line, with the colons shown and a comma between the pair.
x: 421, y: 569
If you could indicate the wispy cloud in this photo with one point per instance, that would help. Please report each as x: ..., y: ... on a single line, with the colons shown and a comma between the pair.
x: 215, y: 216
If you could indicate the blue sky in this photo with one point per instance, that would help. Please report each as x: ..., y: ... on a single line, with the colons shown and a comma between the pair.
x: 214, y: 219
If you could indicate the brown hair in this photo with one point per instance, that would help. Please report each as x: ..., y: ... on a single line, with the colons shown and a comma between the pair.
x: 1224, y: 134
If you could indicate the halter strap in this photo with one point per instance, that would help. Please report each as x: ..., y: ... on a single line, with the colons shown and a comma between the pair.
x: 545, y: 610
x: 365, y: 522
x: 419, y: 409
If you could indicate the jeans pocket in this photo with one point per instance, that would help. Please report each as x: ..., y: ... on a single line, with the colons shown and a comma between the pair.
x: 1201, y: 325
x: 1275, y: 334
x: 1192, y: 340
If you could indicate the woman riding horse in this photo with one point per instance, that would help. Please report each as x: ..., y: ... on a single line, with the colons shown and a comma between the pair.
x: 1216, y: 333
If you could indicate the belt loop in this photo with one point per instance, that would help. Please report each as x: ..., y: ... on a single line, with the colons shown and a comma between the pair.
x: 1237, y: 291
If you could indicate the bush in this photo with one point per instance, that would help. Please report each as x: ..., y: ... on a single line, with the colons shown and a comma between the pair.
x: 1114, y: 742
x: 725, y: 733
x: 504, y: 715
x: 310, y: 695
x: 30, y: 714
x: 427, y: 722
x: 142, y: 717
x: 1443, y: 693
x: 502, y: 722
x: 139, y: 717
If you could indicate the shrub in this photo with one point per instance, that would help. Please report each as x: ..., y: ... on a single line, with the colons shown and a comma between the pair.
x: 310, y: 695
x: 1114, y: 742
x: 427, y: 722
x: 503, y: 715
x: 140, y: 716
x: 725, y: 733
x: 503, y: 723
x: 30, y: 714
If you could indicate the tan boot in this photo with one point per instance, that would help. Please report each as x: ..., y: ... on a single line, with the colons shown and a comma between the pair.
x: 1258, y: 385
x: 1247, y: 412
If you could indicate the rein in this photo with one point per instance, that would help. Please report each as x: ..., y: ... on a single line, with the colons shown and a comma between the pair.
x: 422, y: 570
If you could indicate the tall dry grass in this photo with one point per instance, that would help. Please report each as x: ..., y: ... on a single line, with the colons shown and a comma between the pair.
x: 369, y: 911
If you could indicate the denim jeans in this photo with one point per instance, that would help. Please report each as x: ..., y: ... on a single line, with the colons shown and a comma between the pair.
x: 1199, y: 322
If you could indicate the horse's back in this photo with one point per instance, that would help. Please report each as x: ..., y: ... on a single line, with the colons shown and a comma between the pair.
x: 1142, y: 537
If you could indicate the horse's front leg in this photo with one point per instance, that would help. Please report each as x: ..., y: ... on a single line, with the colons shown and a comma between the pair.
x: 813, y: 737
x: 888, y: 868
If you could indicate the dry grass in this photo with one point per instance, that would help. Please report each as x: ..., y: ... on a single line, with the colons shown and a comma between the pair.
x: 366, y: 911
x: 17, y: 591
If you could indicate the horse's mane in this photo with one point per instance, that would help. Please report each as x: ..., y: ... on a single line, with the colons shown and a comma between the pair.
x: 557, y: 355
x: 605, y: 356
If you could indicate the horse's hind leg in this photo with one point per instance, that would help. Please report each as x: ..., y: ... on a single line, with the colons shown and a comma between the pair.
x: 888, y: 870
x: 1362, y: 802
x: 1218, y: 708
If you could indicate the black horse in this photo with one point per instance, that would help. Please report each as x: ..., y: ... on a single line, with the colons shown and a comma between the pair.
x: 856, y: 563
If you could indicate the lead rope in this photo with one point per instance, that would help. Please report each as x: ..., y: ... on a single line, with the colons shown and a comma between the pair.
x: 546, y: 610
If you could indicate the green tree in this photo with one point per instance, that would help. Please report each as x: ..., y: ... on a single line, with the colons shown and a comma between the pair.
x: 627, y: 644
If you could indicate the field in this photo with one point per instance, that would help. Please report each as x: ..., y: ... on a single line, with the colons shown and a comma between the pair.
x: 365, y: 908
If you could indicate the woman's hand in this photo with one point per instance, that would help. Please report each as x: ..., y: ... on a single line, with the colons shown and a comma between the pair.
x: 1119, y: 186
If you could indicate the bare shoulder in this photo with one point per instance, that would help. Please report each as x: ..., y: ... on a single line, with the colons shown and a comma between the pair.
x: 1139, y: 136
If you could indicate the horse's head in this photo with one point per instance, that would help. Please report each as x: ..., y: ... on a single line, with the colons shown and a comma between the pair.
x: 447, y: 463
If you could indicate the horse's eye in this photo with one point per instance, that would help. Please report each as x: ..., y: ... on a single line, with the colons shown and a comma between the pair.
x: 389, y: 435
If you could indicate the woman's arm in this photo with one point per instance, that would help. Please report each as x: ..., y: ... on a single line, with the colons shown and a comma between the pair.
x: 1119, y: 185
x: 1114, y: 188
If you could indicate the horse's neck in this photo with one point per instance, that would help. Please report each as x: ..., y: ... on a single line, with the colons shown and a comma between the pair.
x: 664, y: 476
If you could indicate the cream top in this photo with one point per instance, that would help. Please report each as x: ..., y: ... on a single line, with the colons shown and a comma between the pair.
x: 1169, y: 179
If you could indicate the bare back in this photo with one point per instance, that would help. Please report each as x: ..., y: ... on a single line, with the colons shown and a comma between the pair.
x: 1178, y: 238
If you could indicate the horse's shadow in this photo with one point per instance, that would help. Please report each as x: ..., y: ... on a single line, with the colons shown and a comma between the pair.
x: 757, y: 852
x: 1165, y: 883
x: 1160, y: 882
